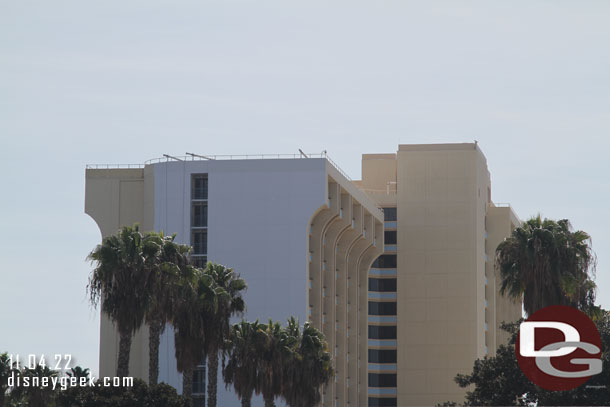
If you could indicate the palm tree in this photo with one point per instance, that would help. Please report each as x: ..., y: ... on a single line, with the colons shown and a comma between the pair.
x: 35, y: 395
x: 546, y: 263
x: 171, y: 260
x: 308, y: 367
x: 217, y: 325
x: 78, y: 373
x: 272, y: 359
x: 242, y: 351
x: 196, y: 297
x: 121, y: 280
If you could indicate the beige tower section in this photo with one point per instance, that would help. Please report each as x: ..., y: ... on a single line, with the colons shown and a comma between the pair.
x: 115, y: 198
x: 448, y: 308
x: 501, y: 221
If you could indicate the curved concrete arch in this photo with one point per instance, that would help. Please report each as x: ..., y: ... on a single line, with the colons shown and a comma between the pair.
x: 344, y: 245
x: 363, y: 266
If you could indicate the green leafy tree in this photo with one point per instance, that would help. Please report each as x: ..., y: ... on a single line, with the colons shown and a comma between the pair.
x: 546, y: 263
x: 595, y: 392
x: 498, y: 380
x: 121, y: 281
x: 217, y: 324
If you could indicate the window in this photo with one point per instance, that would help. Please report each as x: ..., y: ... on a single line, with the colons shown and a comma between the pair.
x: 199, y: 219
x: 382, y: 332
x: 382, y: 284
x: 389, y: 237
x: 199, y: 261
x: 199, y: 241
x: 199, y: 216
x: 382, y: 379
x: 383, y: 402
x: 385, y: 261
x: 382, y: 308
x: 199, y: 380
x: 200, y: 186
x: 389, y: 214
x: 198, y: 401
x: 382, y: 356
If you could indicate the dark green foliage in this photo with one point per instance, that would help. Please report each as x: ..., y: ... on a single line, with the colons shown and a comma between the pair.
x: 291, y: 363
x: 78, y: 372
x: 6, y: 369
x: 217, y: 325
x: 171, y: 264
x: 134, y: 279
x: 35, y: 396
x: 195, y: 296
x: 545, y: 262
x: 123, y: 280
x: 309, y: 365
x: 242, y: 367
x: 498, y: 380
x: 140, y: 395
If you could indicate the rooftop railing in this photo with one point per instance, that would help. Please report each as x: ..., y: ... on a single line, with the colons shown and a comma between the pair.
x: 198, y: 157
x: 112, y: 166
x: 500, y: 204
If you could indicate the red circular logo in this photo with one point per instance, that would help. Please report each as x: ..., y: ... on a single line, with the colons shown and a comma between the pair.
x: 558, y: 348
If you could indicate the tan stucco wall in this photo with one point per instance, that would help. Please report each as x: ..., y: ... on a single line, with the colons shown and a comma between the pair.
x: 442, y: 193
x: 441, y: 271
x: 501, y: 221
x: 116, y: 198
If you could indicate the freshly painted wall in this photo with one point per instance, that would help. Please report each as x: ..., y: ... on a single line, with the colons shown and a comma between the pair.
x: 258, y: 214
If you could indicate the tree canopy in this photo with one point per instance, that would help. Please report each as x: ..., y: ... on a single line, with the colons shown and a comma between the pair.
x: 545, y: 262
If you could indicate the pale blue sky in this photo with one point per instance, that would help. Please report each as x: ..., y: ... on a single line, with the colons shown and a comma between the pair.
x: 122, y: 82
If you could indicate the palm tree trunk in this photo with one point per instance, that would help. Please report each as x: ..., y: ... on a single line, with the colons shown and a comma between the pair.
x: 269, y: 402
x: 212, y: 377
x: 187, y: 384
x: 154, y: 338
x: 246, y: 399
x: 124, y: 349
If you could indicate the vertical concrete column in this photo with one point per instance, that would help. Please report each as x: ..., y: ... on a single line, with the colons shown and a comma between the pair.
x: 359, y: 247
x: 343, y: 250
x: 364, y: 266
x: 329, y: 244
x: 317, y: 227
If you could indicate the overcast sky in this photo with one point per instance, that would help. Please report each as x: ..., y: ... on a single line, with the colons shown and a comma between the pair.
x: 121, y: 82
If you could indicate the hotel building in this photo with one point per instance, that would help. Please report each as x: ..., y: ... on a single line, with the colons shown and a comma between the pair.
x: 434, y: 301
x: 396, y: 269
x: 297, y: 229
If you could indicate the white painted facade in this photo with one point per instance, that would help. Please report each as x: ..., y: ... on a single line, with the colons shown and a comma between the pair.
x: 258, y: 214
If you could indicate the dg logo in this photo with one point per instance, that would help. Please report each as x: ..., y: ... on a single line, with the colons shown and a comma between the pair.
x: 559, y: 348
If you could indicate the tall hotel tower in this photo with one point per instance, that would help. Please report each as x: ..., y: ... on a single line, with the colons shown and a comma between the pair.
x: 434, y: 305
x: 395, y: 269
